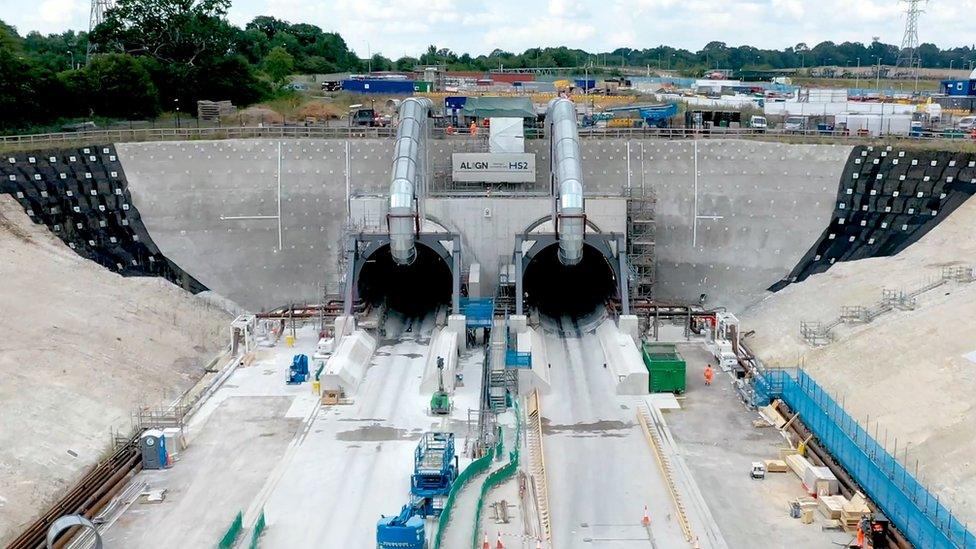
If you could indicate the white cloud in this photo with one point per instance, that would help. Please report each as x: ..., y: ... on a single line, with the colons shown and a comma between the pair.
x: 398, y: 27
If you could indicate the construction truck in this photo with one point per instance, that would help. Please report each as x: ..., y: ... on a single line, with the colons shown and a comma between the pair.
x: 404, y: 531
x: 656, y: 116
x: 435, y: 468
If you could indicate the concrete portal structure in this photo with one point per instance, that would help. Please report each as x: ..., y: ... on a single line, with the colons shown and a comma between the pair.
x: 262, y: 222
x: 361, y: 247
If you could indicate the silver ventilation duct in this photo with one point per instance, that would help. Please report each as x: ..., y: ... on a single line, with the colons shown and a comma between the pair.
x: 567, y: 173
x: 408, y: 174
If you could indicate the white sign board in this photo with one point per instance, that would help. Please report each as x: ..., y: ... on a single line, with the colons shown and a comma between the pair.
x: 507, y: 135
x: 494, y: 168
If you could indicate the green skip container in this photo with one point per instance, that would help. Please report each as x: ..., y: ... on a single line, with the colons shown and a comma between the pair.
x: 665, y: 368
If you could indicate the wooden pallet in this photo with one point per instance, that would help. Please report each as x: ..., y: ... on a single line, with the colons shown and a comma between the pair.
x: 654, y: 441
x: 537, y: 464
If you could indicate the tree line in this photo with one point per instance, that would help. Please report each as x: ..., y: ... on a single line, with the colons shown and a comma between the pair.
x: 155, y: 56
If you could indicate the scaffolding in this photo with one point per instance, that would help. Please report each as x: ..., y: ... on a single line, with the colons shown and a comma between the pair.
x: 640, y: 242
x: 819, y: 333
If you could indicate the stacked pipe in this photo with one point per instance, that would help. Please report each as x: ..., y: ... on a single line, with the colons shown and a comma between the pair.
x: 408, y: 173
x: 567, y: 173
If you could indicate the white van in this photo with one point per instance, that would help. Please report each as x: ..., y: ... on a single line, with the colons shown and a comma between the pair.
x: 758, y: 123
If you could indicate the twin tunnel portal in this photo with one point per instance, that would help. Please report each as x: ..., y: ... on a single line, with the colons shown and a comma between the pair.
x: 560, y: 265
x: 433, y: 278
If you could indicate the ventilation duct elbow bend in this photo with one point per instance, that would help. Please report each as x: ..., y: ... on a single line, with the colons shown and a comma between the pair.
x: 567, y: 169
x: 408, y: 172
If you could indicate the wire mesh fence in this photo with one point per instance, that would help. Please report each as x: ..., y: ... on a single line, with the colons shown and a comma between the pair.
x: 910, y: 506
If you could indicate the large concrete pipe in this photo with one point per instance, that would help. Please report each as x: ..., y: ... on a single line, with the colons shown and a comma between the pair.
x: 409, y: 172
x: 567, y: 173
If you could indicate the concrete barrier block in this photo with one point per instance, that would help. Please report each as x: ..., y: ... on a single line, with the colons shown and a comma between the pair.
x: 537, y: 377
x: 457, y: 323
x: 518, y: 323
x: 347, y: 367
x: 344, y: 325
x: 629, y: 325
x: 623, y: 359
x: 443, y: 343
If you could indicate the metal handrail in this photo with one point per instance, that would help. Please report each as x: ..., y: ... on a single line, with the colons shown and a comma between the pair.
x: 344, y: 132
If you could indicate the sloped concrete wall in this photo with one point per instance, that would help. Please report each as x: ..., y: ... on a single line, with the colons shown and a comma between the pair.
x: 733, y: 216
x: 730, y: 232
x: 187, y: 190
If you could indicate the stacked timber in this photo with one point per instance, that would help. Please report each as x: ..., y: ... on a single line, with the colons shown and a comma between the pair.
x: 853, y: 511
x: 798, y: 464
x: 775, y: 466
x: 832, y: 506
x: 820, y: 481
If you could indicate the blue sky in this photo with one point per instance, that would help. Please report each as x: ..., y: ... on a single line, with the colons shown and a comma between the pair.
x: 398, y: 27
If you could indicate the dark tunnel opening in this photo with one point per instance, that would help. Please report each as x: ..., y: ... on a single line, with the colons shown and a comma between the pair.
x: 557, y: 290
x: 413, y: 290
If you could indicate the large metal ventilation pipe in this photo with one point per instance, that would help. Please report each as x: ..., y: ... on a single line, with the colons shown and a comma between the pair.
x: 408, y: 174
x: 567, y: 176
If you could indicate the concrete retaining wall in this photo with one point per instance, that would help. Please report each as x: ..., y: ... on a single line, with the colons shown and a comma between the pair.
x: 623, y: 360
x: 444, y: 344
x: 731, y: 231
x: 347, y: 367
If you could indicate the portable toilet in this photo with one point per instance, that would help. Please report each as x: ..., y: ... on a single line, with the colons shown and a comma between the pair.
x: 152, y: 444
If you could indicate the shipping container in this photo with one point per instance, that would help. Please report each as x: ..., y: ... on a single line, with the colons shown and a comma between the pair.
x: 422, y: 86
x: 665, y: 368
x: 511, y: 78
x: 391, y: 87
x: 959, y: 88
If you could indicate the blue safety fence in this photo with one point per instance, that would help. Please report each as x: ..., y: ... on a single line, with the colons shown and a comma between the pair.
x: 908, y: 505
x: 478, y: 312
x: 514, y: 358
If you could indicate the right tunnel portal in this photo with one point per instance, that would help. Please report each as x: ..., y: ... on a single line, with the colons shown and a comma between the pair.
x: 558, y: 290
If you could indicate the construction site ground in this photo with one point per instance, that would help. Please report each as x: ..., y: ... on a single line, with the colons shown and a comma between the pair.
x: 718, y: 441
x: 601, y: 470
x: 82, y: 349
x: 322, y: 474
x: 909, y: 372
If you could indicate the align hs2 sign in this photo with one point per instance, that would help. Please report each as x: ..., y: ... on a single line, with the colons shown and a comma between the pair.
x: 494, y: 167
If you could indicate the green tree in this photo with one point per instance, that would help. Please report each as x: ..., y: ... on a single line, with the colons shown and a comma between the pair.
x: 278, y: 64
x: 121, y: 87
x: 174, y: 31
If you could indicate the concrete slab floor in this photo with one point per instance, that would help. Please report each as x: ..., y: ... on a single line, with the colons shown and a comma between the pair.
x: 323, y: 475
x: 601, y: 471
x: 718, y: 441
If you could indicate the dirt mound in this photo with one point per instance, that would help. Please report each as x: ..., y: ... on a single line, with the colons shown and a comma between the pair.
x: 82, y: 348
x: 910, y: 371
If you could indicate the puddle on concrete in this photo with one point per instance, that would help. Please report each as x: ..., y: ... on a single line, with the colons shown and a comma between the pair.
x: 603, y: 428
x: 373, y: 420
x: 376, y: 433
x: 381, y: 353
x: 412, y: 355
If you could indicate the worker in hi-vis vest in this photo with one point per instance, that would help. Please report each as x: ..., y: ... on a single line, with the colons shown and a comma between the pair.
x: 709, y: 374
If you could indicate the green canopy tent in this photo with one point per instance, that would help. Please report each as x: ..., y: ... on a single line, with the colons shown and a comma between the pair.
x: 505, y: 107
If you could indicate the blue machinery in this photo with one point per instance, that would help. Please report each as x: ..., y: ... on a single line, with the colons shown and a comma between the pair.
x: 298, y: 371
x: 435, y: 467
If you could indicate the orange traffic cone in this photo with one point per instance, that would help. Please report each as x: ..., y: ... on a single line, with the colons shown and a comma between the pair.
x: 646, y: 519
x: 499, y: 544
x: 485, y: 544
